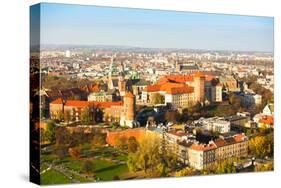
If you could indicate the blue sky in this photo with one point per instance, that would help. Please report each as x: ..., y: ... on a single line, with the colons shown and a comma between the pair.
x: 91, y: 25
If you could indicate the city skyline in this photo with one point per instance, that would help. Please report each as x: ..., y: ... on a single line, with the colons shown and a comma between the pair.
x: 149, y: 28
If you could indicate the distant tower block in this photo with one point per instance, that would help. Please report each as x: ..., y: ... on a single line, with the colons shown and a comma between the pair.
x: 129, y: 108
x: 67, y: 53
x: 122, y: 86
x: 199, y: 87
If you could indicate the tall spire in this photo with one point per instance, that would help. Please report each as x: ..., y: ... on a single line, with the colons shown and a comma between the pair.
x: 111, y: 67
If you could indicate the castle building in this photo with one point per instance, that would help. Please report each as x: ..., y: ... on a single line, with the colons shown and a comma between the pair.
x: 185, y: 90
x: 121, y: 112
x: 98, y: 111
x: 177, y: 94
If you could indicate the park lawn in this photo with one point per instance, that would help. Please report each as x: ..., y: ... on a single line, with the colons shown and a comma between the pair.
x: 74, y: 164
x: 121, y: 158
x: 81, y: 179
x: 53, y: 177
x: 105, y: 170
x: 47, y: 158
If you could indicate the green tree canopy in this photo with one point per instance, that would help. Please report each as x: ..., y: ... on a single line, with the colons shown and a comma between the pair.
x: 85, y: 115
x: 87, y: 167
x: 157, y: 98
x: 148, y: 158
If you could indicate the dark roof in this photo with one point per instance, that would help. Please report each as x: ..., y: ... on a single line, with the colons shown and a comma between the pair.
x: 111, y: 91
x: 185, y: 144
x: 230, y: 141
x: 235, y: 118
x: 219, y: 142
x: 115, y: 82
x: 189, y: 67
x: 140, y: 82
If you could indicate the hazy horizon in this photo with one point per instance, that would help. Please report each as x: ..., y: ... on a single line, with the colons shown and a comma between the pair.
x: 63, y: 24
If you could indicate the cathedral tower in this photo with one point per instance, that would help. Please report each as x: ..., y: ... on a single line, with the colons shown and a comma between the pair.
x: 199, y: 87
x: 122, y: 81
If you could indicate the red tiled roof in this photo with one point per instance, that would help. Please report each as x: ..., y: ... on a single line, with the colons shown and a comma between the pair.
x: 180, y: 90
x: 170, y: 85
x: 180, y: 134
x: 209, y: 77
x: 183, y: 78
x: 91, y: 88
x: 199, y: 74
x: 152, y: 88
x: 106, y: 104
x: 219, y: 142
x: 77, y: 103
x: 228, y: 141
x: 176, y: 78
x: 239, y: 137
x: 267, y: 120
x: 170, y: 88
x: 203, y: 147
x: 57, y: 101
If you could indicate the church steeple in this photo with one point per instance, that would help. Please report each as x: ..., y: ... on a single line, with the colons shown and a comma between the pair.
x: 112, y: 72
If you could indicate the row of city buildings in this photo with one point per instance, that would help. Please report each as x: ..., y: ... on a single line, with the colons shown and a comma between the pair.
x: 187, y: 149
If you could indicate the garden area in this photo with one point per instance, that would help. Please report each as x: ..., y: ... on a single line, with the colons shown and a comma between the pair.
x: 93, y: 164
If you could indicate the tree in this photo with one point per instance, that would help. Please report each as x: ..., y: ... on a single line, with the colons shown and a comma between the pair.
x: 49, y: 133
x: 74, y: 152
x: 184, y: 116
x: 148, y: 158
x: 196, y: 108
x: 115, y: 177
x: 132, y: 144
x: 85, y: 115
x: 121, y: 142
x: 224, y: 110
x: 60, y: 115
x: 157, y: 98
x: 257, y: 146
x: 270, y: 144
x: 185, y: 172
x: 60, y: 150
x: 225, y: 166
x: 264, y: 167
x: 42, y: 135
x: 266, y: 94
x: 62, y: 136
x: 99, y: 139
x: 172, y: 116
x: 235, y: 101
x: 67, y: 116
x: 87, y: 167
